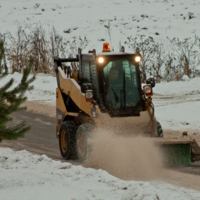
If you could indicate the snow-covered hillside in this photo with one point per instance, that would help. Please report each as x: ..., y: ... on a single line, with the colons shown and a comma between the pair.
x: 173, y: 18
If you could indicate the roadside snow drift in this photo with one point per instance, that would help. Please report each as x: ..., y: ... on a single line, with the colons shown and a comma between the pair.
x: 27, y: 176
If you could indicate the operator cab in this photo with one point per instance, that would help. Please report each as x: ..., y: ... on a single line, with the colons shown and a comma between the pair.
x: 111, y: 80
x: 119, y: 81
x: 115, y: 78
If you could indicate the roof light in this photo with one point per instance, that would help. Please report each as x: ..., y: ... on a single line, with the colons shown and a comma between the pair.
x: 100, y: 60
x: 106, y: 47
x: 137, y: 59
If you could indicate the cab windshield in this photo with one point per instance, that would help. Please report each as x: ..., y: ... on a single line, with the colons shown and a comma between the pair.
x: 121, y: 84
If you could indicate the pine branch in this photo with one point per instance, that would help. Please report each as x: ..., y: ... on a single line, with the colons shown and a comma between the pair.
x: 13, y: 133
x: 10, y: 102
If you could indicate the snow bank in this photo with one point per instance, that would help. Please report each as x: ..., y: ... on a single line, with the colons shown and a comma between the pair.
x: 178, y: 88
x: 27, y: 176
x: 177, y: 104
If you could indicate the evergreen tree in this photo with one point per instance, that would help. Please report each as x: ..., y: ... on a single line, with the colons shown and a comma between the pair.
x: 10, y: 100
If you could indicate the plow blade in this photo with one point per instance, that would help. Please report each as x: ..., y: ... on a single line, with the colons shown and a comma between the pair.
x: 178, y: 151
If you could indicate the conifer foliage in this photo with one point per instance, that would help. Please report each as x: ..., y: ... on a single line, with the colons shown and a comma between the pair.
x: 11, y: 99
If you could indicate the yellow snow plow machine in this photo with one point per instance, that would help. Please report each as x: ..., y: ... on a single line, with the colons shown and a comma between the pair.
x: 104, y: 90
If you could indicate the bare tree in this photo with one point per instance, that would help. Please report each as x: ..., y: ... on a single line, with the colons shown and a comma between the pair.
x: 158, y: 61
x: 3, y: 63
x: 33, y: 41
x: 18, y: 50
x: 185, y: 54
x: 148, y: 49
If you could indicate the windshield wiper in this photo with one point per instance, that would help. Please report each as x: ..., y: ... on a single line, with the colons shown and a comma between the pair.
x: 124, y: 92
x: 116, y: 97
x: 124, y: 89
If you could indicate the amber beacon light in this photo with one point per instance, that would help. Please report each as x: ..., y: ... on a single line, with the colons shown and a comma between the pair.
x: 106, y: 47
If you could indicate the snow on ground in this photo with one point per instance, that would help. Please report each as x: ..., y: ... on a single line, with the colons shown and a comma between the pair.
x: 27, y: 176
x: 177, y: 104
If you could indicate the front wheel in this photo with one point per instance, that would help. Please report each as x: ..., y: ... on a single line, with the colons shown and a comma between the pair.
x: 67, y: 129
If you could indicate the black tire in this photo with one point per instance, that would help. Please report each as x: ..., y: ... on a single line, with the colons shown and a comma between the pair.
x: 159, y: 129
x: 79, y: 145
x: 67, y: 129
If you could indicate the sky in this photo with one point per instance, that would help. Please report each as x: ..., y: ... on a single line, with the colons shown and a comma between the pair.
x: 45, y: 178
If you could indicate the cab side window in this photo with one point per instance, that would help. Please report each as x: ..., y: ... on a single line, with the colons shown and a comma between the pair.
x: 86, y: 72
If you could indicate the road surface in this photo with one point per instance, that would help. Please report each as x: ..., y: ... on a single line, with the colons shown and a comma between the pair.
x: 41, y: 139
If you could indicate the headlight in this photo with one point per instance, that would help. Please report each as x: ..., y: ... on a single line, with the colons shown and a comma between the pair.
x: 100, y: 60
x: 137, y: 59
x: 148, y: 90
x: 89, y: 94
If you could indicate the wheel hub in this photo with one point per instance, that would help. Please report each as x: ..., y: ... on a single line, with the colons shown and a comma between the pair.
x: 64, y: 142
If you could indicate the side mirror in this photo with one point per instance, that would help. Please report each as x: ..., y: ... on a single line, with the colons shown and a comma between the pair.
x: 151, y: 81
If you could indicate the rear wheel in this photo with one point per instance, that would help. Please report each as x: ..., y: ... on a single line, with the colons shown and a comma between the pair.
x: 79, y: 143
x: 159, y: 129
x: 67, y: 129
